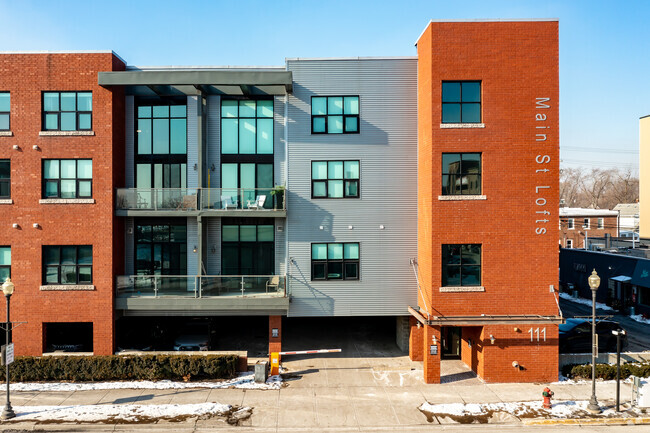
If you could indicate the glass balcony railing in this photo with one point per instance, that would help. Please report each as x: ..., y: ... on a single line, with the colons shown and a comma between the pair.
x: 228, y: 199
x: 203, y: 286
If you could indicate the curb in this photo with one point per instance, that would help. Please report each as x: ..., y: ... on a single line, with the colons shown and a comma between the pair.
x: 587, y: 421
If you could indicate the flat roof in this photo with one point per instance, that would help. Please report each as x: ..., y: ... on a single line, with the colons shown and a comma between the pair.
x: 352, y: 58
x: 578, y: 211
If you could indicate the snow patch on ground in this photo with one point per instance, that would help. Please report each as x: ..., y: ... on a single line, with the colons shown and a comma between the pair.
x: 639, y: 318
x: 526, y: 409
x: 244, y: 380
x: 118, y: 412
x: 583, y: 301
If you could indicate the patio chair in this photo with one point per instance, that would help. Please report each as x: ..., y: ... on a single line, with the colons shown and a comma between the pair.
x: 274, y: 282
x: 227, y: 202
x: 258, y: 203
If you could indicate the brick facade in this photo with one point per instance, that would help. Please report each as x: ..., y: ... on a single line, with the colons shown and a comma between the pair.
x: 574, y: 231
x: 26, y: 76
x: 516, y: 221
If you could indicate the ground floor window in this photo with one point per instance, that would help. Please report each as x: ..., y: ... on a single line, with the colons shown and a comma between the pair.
x: 644, y: 295
x: 68, y: 337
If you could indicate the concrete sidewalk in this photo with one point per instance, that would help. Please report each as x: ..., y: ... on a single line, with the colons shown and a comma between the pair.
x: 332, y: 392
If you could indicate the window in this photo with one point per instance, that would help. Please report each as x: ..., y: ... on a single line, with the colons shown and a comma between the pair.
x: 334, y: 179
x: 67, y: 111
x: 246, y: 126
x: 67, y: 178
x: 5, y: 263
x: 335, y: 261
x: 335, y: 114
x: 569, y: 243
x: 5, y: 110
x: 68, y: 264
x: 247, y: 249
x: 461, y: 102
x: 461, y: 265
x: 461, y: 174
x: 160, y: 249
x: 601, y: 223
x: 5, y: 176
x: 585, y: 224
x: 570, y: 224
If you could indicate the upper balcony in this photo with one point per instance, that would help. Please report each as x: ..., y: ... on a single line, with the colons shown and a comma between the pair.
x: 171, y: 202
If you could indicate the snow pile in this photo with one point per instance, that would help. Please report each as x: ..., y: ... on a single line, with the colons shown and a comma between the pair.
x: 526, y: 409
x: 583, y: 301
x: 244, y: 380
x: 640, y: 318
x: 119, y: 412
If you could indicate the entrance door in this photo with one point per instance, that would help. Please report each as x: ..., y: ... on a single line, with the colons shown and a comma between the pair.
x: 451, y: 342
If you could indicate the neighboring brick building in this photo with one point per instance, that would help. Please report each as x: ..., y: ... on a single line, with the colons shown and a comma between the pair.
x: 488, y: 164
x: 577, y: 225
x: 64, y: 151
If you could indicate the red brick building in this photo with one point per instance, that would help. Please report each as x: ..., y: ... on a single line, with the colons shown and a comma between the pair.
x: 488, y: 156
x: 577, y: 225
x: 64, y: 149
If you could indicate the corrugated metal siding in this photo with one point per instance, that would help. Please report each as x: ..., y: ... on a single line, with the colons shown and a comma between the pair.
x: 387, y: 149
x: 280, y: 159
x: 280, y: 247
x: 213, y: 156
x: 192, y: 240
x: 213, y: 240
x: 129, y: 246
x: 193, y: 145
x: 129, y: 140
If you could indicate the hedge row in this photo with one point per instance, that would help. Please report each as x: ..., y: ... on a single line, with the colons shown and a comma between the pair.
x: 103, y: 368
x: 606, y: 371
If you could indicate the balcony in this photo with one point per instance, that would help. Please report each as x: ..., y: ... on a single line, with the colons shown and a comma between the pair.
x: 237, y: 202
x: 205, y: 294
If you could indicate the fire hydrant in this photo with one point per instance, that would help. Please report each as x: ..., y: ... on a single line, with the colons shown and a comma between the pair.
x: 547, y: 394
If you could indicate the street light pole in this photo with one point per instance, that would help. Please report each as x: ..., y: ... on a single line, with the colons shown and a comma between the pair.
x: 8, y: 290
x: 594, y: 282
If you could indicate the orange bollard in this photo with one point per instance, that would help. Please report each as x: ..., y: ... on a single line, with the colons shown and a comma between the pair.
x: 275, y: 363
x: 547, y: 394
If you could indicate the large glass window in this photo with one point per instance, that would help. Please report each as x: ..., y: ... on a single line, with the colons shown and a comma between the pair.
x: 67, y: 178
x: 461, y: 265
x: 334, y: 179
x: 243, y: 182
x: 335, y: 261
x: 5, y: 178
x: 461, y: 174
x: 5, y: 111
x: 461, y: 102
x: 335, y: 114
x: 67, y: 111
x: 246, y: 126
x: 5, y: 263
x: 161, y: 157
x: 161, y: 249
x: 68, y: 264
x: 247, y: 249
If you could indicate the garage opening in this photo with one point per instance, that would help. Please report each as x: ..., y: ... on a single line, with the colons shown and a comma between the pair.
x: 68, y: 337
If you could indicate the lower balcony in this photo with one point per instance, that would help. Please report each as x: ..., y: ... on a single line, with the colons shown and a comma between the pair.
x: 205, y: 295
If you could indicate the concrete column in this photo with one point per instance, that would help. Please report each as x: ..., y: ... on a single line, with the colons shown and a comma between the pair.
x: 415, y: 340
x: 402, y: 332
x: 431, y: 363
x: 275, y: 343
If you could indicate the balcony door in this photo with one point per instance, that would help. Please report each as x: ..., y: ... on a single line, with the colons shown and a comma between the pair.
x: 161, y: 249
x: 245, y: 181
x: 247, y: 249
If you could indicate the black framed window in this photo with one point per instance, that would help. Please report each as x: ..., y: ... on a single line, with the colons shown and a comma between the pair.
x: 247, y: 126
x: 5, y: 178
x: 5, y: 111
x: 461, y: 265
x: 335, y: 179
x: 68, y: 264
x: 586, y: 223
x: 334, y: 114
x: 67, y: 111
x: 67, y: 178
x: 160, y: 248
x: 461, y: 174
x: 335, y: 261
x: 461, y: 102
x: 247, y: 249
x: 5, y: 263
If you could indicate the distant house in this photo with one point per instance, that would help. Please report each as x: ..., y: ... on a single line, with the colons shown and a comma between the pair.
x: 579, y: 224
x: 628, y: 218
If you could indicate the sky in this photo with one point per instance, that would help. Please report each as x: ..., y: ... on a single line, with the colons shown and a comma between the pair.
x: 604, y: 61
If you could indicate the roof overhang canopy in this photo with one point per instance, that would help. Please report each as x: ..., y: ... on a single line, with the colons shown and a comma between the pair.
x: 485, y: 319
x: 214, y: 82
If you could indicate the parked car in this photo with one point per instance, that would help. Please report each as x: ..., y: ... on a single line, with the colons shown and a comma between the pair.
x: 194, y: 336
x: 575, y: 336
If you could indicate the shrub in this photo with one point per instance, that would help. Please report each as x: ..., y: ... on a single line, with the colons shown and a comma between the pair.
x: 606, y: 371
x: 103, y: 368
